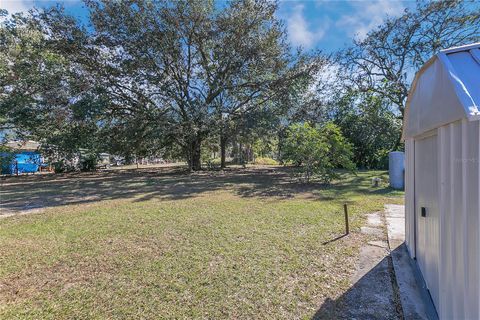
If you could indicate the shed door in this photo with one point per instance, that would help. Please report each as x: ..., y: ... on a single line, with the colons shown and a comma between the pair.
x: 426, y: 212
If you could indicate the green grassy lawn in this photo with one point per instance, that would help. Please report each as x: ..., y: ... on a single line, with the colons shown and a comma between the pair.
x: 163, y: 244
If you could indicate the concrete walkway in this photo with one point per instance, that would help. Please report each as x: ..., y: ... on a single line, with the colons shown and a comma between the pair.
x: 372, y: 294
x: 414, y: 299
x: 384, y: 284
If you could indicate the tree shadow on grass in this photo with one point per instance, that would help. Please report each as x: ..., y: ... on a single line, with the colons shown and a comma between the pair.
x: 39, y: 191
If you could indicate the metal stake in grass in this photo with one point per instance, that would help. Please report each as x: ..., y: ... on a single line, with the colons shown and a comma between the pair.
x: 345, y: 210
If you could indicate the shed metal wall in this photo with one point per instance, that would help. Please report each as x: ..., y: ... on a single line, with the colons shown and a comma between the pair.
x: 427, y: 227
x: 458, y: 176
x: 410, y: 196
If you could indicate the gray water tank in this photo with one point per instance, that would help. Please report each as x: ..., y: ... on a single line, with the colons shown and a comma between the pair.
x: 396, y: 169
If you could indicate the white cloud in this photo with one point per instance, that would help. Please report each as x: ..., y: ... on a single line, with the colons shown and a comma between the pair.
x: 326, y: 80
x: 14, y: 6
x: 299, y: 31
x: 367, y: 15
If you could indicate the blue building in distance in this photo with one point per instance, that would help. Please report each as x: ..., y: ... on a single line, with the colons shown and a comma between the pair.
x: 24, y: 157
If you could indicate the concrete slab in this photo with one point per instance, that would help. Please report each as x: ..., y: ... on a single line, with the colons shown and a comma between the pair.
x: 410, y: 293
x: 372, y: 295
x: 374, y: 219
x: 413, y: 300
x: 372, y: 231
x: 395, y: 218
x: 395, y: 210
x: 379, y: 243
x: 385, y: 283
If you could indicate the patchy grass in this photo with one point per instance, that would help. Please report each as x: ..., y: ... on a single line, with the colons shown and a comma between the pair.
x: 149, y: 244
x: 266, y: 161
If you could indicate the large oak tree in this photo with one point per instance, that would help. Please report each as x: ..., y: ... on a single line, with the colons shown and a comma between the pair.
x: 185, y: 66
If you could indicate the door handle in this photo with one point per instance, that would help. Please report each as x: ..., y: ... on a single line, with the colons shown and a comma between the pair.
x: 424, y: 212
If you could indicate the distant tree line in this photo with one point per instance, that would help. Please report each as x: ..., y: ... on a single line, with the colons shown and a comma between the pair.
x: 207, y: 83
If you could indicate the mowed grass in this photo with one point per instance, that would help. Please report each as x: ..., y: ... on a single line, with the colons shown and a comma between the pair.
x: 242, y: 244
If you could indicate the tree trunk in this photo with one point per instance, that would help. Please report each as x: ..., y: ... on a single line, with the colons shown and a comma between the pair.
x: 241, y: 154
x: 249, y: 153
x: 194, y: 156
x: 279, y: 146
x: 398, y: 143
x: 223, y: 146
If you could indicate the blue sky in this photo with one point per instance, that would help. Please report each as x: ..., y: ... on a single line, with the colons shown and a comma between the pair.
x: 331, y: 25
x: 314, y: 24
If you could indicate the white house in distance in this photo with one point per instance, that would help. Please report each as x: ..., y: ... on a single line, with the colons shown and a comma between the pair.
x: 442, y: 145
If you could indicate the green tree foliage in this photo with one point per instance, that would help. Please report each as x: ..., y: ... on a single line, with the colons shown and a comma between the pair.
x: 30, y: 76
x: 370, y: 125
x: 266, y: 147
x: 41, y: 98
x: 317, y: 151
x: 7, y: 155
x: 188, y: 65
x: 133, y: 137
x: 177, y: 78
x: 384, y: 62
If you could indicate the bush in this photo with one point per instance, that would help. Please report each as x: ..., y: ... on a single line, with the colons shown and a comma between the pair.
x: 380, y: 159
x: 318, y: 151
x: 89, y: 162
x: 6, y: 159
x: 212, y: 163
x: 266, y: 161
x: 369, y: 123
x: 61, y: 167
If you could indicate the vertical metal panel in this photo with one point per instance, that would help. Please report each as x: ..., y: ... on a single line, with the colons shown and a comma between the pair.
x: 447, y: 308
x: 443, y: 156
x: 470, y: 175
x: 446, y: 264
x: 475, y: 234
x: 409, y: 196
x: 459, y: 258
x: 456, y: 221
x: 455, y: 246
x: 426, y: 196
x: 461, y: 220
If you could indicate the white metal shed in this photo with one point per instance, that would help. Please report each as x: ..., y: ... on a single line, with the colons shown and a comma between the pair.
x: 442, y: 146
